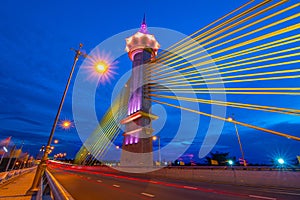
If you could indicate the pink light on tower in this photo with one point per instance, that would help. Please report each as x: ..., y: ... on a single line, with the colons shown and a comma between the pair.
x: 136, y: 139
x: 143, y: 28
x: 131, y: 139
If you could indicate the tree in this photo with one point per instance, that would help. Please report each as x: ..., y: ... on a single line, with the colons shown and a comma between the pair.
x: 221, y: 158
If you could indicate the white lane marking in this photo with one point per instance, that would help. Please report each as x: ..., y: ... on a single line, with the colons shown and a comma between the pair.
x: 261, y: 197
x: 148, y: 195
x: 152, y: 181
x: 289, y: 193
x: 99, y: 181
x: 189, y: 187
x: 116, y: 186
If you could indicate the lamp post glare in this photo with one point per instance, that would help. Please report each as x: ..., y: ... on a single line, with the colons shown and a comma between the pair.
x: 280, y: 161
x: 230, y: 162
x: 154, y: 138
x: 230, y: 119
x: 65, y: 124
x: 42, y: 166
x: 101, y: 67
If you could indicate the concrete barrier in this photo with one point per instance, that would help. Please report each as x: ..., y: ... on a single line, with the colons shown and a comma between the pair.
x: 6, y: 176
x: 271, y: 178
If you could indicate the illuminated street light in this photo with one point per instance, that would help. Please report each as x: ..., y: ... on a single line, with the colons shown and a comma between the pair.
x: 230, y: 119
x: 65, y: 124
x: 154, y: 138
x: 100, y: 66
x: 117, y: 147
x: 280, y: 161
x: 42, y: 148
x: 230, y: 162
x: 55, y: 141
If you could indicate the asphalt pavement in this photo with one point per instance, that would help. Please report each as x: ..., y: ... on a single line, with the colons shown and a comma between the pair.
x: 84, y: 184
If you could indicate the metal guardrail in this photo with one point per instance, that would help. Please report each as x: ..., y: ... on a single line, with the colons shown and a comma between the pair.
x: 249, y: 168
x: 6, y: 176
x: 51, y: 188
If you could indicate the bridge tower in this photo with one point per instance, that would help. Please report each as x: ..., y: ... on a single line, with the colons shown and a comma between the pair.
x: 142, y: 47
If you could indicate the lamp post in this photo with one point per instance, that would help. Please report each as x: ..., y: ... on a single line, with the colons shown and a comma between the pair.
x: 42, y: 166
x: 159, y: 155
x: 5, y: 151
x: 230, y: 119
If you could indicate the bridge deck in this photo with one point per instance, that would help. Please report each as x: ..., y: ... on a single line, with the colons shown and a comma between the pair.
x: 16, y: 189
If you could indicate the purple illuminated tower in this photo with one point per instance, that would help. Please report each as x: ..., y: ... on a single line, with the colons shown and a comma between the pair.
x: 142, y: 47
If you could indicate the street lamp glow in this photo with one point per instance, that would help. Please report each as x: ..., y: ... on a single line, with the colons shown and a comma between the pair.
x: 117, y: 147
x: 280, y: 161
x: 230, y: 162
x: 55, y: 141
x: 230, y: 119
x: 65, y: 124
x: 100, y: 66
x: 154, y: 138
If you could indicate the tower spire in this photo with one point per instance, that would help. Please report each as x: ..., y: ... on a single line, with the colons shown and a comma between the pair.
x: 144, y: 19
x: 143, y: 28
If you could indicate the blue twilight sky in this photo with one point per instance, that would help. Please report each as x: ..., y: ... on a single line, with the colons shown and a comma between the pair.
x: 35, y: 41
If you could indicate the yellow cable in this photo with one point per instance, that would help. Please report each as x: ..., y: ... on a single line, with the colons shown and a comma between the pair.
x: 234, y: 104
x: 232, y: 121
x: 225, y: 23
x: 237, y: 23
x: 272, y: 34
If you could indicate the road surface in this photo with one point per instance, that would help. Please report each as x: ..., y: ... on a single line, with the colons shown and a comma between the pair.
x: 84, y: 184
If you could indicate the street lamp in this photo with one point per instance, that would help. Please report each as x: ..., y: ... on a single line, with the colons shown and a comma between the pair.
x: 42, y: 166
x: 280, y: 161
x: 154, y: 138
x: 101, y: 67
x: 230, y: 119
x: 230, y: 162
x: 66, y: 124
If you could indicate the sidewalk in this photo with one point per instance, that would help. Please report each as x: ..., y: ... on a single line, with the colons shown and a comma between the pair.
x: 17, y: 188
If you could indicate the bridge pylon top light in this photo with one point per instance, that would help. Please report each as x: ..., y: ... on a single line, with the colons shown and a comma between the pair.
x: 141, y: 40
